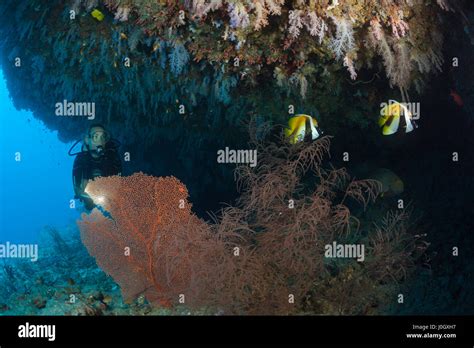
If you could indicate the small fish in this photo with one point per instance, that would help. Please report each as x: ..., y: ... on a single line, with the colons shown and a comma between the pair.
x: 456, y: 98
x: 300, y: 126
x: 390, y: 117
x: 123, y: 36
x: 98, y: 15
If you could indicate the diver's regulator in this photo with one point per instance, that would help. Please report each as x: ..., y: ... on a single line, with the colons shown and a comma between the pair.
x: 99, y: 150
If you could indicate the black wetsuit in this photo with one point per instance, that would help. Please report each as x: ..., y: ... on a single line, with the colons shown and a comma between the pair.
x: 86, y: 167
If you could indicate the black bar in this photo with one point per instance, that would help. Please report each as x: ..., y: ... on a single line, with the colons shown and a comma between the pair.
x: 135, y: 331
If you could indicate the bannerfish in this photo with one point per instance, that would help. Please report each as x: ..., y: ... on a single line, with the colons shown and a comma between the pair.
x: 98, y: 15
x: 301, y: 126
x: 390, y: 117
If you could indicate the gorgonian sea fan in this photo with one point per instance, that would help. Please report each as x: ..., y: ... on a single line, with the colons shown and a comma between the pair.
x: 126, y: 242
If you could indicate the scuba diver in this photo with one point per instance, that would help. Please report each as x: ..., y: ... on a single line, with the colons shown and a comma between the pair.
x: 98, y: 157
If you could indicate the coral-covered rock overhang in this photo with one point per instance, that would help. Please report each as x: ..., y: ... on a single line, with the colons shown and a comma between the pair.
x: 157, y: 55
x: 222, y: 62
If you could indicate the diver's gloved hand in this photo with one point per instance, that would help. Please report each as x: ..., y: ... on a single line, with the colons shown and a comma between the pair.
x: 87, y: 200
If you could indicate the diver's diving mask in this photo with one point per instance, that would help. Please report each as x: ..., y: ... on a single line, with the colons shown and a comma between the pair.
x: 98, y: 140
x: 99, y: 137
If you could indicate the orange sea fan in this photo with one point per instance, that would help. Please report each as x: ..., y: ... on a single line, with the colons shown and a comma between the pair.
x: 143, y: 213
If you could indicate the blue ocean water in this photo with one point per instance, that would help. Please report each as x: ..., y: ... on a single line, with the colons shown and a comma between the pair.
x: 35, y: 191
